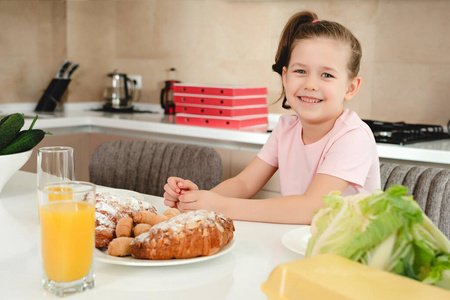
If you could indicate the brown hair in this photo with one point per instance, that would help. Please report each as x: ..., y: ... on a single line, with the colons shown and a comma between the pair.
x: 300, y: 26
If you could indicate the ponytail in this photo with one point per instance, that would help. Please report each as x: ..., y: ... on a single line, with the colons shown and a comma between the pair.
x: 288, y: 38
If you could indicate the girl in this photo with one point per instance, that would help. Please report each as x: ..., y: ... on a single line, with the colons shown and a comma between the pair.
x: 324, y: 147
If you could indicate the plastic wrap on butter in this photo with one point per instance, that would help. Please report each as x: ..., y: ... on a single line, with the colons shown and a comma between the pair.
x: 330, y: 276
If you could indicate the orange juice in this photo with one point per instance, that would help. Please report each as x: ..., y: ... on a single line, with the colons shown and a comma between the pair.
x: 53, y: 197
x: 67, y: 229
x: 66, y: 193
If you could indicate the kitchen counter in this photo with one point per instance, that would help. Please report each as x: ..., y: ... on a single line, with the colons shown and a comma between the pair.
x: 237, y: 274
x: 80, y: 117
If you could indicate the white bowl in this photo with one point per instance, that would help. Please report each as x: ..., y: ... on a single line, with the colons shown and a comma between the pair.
x: 10, y: 164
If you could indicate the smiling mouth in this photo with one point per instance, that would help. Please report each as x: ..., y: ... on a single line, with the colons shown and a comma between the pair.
x: 310, y: 100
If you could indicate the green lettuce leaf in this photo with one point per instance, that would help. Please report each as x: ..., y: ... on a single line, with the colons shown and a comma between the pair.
x: 386, y: 230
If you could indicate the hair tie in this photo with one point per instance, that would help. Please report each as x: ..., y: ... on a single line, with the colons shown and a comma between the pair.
x: 315, y: 21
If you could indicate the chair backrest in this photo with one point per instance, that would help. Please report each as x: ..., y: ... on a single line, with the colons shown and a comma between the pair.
x: 144, y: 166
x: 430, y: 187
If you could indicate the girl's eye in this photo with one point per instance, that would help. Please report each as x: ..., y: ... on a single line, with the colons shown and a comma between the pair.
x: 300, y: 71
x: 326, y: 75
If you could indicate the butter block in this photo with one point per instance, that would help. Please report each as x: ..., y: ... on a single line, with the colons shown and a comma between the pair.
x: 329, y: 276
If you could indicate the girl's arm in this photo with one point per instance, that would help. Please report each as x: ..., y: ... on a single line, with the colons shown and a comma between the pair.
x: 245, y: 185
x: 295, y: 209
x: 232, y: 197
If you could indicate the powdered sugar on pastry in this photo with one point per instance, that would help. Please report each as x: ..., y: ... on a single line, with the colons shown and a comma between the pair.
x: 109, y: 209
x: 186, y: 221
x: 191, y: 234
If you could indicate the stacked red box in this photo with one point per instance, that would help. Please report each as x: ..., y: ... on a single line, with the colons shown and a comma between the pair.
x: 233, y: 107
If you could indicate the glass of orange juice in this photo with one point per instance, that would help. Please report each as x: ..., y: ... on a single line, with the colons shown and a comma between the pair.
x: 67, y: 217
x: 55, y: 164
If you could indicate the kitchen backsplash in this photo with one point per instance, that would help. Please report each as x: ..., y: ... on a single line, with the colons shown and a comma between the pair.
x: 233, y: 42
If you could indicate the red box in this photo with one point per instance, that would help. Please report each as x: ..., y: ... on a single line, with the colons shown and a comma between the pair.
x: 226, y: 111
x: 219, y: 90
x: 221, y: 122
x: 219, y: 100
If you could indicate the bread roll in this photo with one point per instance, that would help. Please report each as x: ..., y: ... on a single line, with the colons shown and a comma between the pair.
x: 141, y: 228
x: 172, y: 212
x: 124, y: 227
x: 191, y: 234
x: 120, y: 246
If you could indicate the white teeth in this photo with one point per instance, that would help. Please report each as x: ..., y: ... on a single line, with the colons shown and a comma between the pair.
x: 310, y: 100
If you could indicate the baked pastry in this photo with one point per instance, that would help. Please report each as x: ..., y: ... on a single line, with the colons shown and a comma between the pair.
x: 103, y: 236
x: 109, y: 209
x: 191, y: 234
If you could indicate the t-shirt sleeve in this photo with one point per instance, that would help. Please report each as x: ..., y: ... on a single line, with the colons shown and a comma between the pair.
x: 349, y: 157
x: 269, y: 152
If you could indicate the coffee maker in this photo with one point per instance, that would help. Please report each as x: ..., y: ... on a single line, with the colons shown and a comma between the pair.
x: 167, y: 93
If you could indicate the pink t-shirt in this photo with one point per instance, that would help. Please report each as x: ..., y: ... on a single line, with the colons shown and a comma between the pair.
x: 348, y: 151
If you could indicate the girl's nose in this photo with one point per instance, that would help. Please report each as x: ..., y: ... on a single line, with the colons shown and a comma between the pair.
x: 310, y: 84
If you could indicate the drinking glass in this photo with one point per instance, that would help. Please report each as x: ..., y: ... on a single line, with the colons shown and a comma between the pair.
x: 54, y: 164
x: 67, y: 215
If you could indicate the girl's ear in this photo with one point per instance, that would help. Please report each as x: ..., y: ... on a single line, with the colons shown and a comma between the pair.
x: 352, y: 88
x: 283, y: 77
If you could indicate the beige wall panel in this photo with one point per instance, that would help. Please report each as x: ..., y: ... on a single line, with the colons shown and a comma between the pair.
x: 417, y: 35
x: 424, y: 97
x: 33, y: 44
x: 223, y: 42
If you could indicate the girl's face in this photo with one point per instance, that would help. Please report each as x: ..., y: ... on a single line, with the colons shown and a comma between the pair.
x: 316, y: 80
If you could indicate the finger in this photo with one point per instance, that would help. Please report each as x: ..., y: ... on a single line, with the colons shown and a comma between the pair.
x: 187, y: 198
x: 187, y: 185
x: 173, y: 183
x: 170, y: 198
x: 170, y: 203
x: 170, y: 191
x: 187, y: 206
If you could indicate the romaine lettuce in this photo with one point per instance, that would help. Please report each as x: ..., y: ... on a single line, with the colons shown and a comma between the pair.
x: 385, y: 230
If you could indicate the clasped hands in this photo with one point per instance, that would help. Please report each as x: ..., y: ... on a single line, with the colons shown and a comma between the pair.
x: 185, y: 195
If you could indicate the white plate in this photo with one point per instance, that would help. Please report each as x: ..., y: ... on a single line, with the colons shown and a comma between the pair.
x: 131, y: 261
x: 158, y: 203
x: 297, y: 239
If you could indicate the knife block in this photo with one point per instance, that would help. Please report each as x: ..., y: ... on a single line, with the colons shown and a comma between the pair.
x: 52, y: 95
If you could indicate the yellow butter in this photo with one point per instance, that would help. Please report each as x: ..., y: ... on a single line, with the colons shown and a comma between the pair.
x: 330, y: 276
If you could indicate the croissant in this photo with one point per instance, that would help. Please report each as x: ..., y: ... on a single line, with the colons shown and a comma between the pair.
x: 191, y: 234
x: 109, y: 209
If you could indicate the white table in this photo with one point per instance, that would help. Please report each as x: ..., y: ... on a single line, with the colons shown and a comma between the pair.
x: 236, y: 275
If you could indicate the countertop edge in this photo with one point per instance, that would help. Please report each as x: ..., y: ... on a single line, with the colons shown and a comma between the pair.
x: 81, y: 115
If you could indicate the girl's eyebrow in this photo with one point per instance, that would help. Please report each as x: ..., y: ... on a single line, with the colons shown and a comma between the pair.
x: 330, y: 69
x: 326, y: 68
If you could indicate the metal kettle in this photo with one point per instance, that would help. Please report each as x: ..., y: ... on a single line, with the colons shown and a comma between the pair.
x: 119, y: 92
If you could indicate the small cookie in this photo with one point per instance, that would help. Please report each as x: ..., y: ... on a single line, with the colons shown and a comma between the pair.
x: 143, y: 217
x: 158, y: 219
x: 120, y: 246
x: 124, y: 227
x: 172, y: 212
x: 141, y: 228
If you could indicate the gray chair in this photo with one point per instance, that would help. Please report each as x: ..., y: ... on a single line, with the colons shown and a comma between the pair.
x: 429, y: 186
x: 144, y: 166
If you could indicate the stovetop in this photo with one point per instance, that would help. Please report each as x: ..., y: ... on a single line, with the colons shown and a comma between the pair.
x: 402, y: 133
x: 131, y: 109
